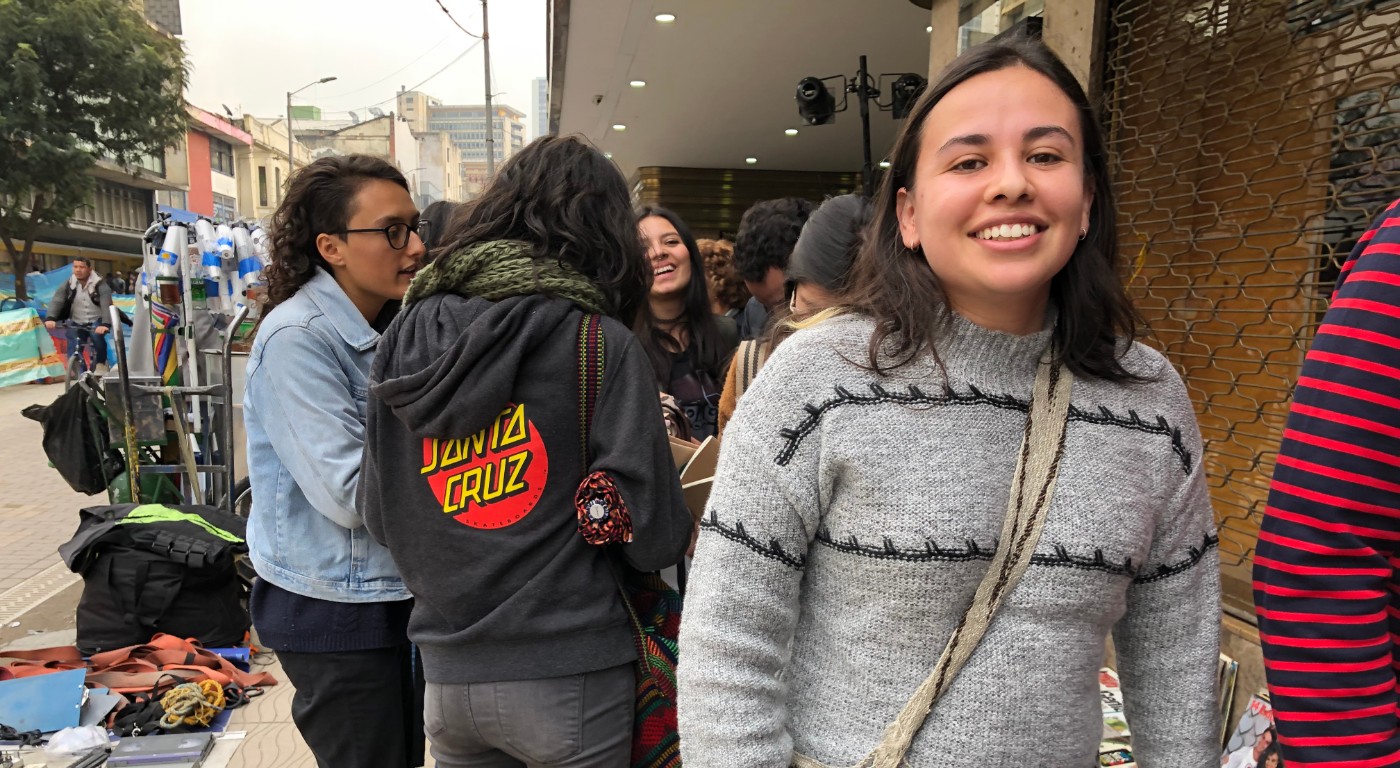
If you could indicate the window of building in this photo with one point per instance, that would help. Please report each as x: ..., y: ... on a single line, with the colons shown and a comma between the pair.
x: 172, y: 198
x: 225, y: 208
x: 116, y: 206
x: 262, y: 185
x: 221, y: 156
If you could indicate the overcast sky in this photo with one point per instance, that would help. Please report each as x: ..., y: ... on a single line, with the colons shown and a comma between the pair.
x: 249, y: 53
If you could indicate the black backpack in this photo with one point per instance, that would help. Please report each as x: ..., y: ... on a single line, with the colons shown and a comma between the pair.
x: 158, y: 568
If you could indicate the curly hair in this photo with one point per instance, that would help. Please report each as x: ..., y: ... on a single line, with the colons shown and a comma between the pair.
x: 571, y: 204
x: 320, y: 198
x: 767, y: 233
x: 726, y: 287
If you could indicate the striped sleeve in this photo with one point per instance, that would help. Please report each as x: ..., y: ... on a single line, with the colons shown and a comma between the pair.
x: 1324, y: 581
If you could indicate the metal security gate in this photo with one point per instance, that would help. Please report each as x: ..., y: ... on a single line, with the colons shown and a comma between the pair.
x: 1253, y: 141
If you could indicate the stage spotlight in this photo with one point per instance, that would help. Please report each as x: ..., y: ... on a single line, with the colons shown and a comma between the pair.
x: 815, y: 104
x: 905, y: 92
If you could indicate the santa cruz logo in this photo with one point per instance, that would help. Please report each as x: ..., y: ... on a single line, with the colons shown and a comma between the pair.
x: 493, y: 478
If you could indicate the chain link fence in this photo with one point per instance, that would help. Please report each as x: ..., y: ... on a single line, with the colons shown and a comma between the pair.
x: 1253, y: 141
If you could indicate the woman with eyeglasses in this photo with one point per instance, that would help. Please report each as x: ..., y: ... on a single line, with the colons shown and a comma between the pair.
x: 346, y: 241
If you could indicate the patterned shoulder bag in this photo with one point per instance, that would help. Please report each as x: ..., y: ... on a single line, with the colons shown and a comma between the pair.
x: 653, y: 607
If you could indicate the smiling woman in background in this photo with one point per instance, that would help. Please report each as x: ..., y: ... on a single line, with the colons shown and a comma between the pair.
x: 688, y: 344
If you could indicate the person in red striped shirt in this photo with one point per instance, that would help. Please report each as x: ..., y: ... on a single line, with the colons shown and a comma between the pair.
x: 1325, y: 585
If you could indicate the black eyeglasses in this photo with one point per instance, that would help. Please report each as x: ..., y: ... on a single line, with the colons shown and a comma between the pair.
x: 397, y: 233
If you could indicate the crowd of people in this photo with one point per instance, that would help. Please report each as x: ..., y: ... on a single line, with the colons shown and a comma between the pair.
x: 948, y: 474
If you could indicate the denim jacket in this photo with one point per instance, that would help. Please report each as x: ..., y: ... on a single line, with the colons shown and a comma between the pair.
x: 304, y: 411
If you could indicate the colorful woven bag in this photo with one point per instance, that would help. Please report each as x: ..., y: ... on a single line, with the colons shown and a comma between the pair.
x: 653, y: 606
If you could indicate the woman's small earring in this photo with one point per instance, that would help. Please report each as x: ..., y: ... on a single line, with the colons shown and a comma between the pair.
x: 1083, y: 233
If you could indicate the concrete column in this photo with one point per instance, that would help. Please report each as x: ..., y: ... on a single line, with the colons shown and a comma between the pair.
x: 943, y: 41
x: 1074, y: 30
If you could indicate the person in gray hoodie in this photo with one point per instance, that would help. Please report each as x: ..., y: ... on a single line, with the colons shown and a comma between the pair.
x: 473, y: 457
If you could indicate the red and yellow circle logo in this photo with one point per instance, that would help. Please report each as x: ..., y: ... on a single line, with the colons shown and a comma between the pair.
x: 493, y: 478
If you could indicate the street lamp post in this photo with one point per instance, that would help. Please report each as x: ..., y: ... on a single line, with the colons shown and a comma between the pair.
x: 290, y: 165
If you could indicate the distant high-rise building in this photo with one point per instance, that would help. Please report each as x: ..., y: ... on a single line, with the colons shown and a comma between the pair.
x: 466, y: 125
x: 541, y: 120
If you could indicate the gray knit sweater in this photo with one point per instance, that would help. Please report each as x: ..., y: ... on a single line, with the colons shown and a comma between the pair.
x: 852, y: 517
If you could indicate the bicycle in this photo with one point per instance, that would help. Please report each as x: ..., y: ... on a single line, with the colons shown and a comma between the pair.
x: 82, y: 350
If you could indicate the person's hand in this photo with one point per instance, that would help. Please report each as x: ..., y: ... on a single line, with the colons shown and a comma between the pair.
x: 50, y: 324
x: 100, y: 330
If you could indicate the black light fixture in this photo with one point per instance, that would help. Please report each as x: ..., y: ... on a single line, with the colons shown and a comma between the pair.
x: 815, y: 104
x: 906, y: 90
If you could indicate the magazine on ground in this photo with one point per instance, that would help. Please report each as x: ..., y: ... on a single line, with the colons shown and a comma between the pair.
x: 1115, y: 746
x: 1225, y: 675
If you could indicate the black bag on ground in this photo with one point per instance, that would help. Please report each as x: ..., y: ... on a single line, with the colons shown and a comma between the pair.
x: 76, y: 441
x: 153, y: 568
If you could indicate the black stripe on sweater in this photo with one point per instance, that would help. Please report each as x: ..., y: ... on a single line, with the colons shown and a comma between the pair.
x: 974, y: 396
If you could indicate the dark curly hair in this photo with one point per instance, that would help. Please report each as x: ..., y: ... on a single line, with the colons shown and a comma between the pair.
x: 439, y: 217
x: 319, y: 200
x: 767, y: 233
x: 726, y: 287
x: 570, y: 203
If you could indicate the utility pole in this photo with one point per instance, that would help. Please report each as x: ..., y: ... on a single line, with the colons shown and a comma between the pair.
x: 291, y: 166
x: 490, y: 113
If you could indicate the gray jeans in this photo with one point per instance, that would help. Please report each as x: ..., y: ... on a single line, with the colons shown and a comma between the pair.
x: 580, y: 721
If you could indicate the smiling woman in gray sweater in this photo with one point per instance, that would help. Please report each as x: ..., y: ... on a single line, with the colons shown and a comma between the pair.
x: 864, y: 478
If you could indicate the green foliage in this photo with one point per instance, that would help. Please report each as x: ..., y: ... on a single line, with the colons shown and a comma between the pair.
x: 79, y: 80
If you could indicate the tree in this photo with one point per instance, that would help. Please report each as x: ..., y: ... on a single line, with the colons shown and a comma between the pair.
x: 80, y: 80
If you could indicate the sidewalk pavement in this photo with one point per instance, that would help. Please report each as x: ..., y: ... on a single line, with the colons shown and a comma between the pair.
x: 38, y: 511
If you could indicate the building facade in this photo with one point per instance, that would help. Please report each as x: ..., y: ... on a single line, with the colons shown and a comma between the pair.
x: 539, y: 121
x: 465, y: 124
x: 387, y: 137
x: 262, y: 167
x: 440, y: 177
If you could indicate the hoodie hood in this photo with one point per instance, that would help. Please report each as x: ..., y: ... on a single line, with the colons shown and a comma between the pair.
x: 447, y: 365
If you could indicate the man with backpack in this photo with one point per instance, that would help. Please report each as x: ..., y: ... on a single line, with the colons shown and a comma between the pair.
x: 86, y: 299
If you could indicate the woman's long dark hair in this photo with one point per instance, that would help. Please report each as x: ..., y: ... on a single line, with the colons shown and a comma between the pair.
x: 318, y: 201
x: 439, y: 215
x: 896, y: 287
x: 570, y: 203
x: 697, y: 316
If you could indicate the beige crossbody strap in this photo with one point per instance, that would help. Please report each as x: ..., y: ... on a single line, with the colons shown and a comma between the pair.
x: 1042, y: 446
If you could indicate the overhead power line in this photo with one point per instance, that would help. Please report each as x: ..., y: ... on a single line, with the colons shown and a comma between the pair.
x: 426, y: 80
x: 454, y: 21
x: 391, y: 75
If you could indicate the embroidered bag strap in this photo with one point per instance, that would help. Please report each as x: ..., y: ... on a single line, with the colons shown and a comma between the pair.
x: 590, y: 381
x: 590, y: 376
x: 1042, y: 447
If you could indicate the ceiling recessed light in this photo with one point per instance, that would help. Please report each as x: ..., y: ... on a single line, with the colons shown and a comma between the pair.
x: 638, y: 83
x: 791, y: 131
x: 884, y: 163
x: 751, y: 160
x: 665, y: 18
x: 619, y: 127
x: 928, y: 29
